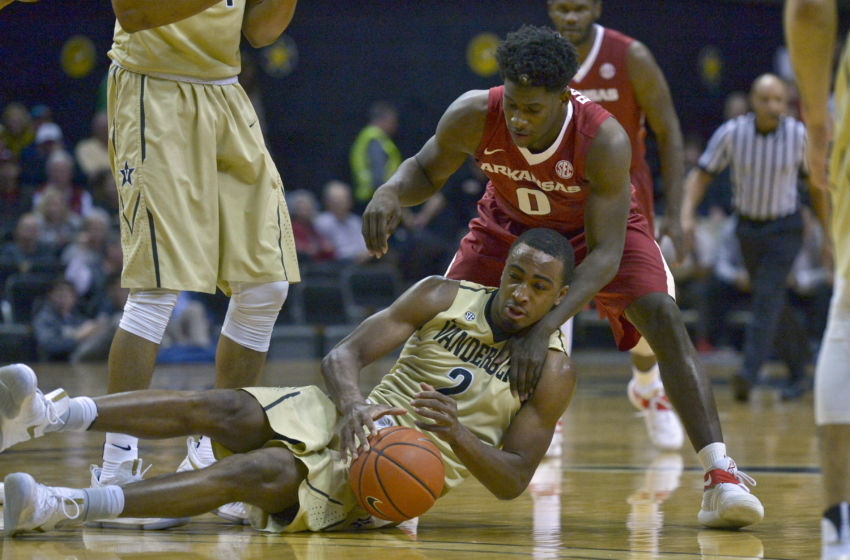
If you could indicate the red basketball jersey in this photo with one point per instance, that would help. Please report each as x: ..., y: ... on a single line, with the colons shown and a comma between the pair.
x: 548, y: 189
x: 604, y: 78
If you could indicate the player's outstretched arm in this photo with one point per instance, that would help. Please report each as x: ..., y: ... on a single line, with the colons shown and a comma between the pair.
x: 810, y: 30
x: 421, y: 176
x: 653, y: 97
x: 137, y: 15
x: 506, y: 472
x: 373, y: 339
x: 265, y: 20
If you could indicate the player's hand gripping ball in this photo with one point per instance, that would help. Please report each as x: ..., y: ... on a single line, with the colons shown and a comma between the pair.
x: 401, y: 475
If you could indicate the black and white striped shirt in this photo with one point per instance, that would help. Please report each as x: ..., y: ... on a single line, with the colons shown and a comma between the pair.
x: 765, y: 168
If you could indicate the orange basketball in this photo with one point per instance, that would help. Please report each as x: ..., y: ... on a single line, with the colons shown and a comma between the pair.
x: 400, y: 476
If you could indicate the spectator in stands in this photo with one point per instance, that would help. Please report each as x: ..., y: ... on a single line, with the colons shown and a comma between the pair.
x: 84, y: 257
x: 104, y: 195
x: 311, y: 245
x: 340, y: 225
x: 60, y: 175
x: 58, y: 326
x: 34, y: 158
x: 58, y: 224
x: 110, y: 307
x: 374, y: 156
x: 14, y: 201
x: 728, y: 288
x: 26, y: 252
x: 92, y: 153
x: 17, y: 132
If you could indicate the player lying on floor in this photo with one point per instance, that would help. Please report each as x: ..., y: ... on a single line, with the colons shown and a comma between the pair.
x: 287, y: 449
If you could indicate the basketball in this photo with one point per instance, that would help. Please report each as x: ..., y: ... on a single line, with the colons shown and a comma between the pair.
x: 400, y: 476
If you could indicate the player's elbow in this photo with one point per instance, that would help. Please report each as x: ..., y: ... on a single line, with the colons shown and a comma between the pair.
x: 511, y: 487
x: 511, y: 490
x: 259, y: 38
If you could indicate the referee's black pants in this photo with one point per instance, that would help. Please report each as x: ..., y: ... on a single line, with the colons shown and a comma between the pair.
x: 769, y: 248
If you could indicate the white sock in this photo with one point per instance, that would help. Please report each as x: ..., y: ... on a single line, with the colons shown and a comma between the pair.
x: 713, y: 456
x: 81, y: 413
x: 205, y: 451
x: 117, y: 449
x: 106, y: 502
x: 647, y: 381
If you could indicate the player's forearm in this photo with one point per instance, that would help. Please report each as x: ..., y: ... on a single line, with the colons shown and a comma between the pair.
x: 504, y: 474
x: 596, y: 270
x: 821, y: 206
x: 411, y: 183
x: 671, y: 150
x: 265, y: 20
x: 341, y: 373
x: 810, y: 29
x: 137, y: 15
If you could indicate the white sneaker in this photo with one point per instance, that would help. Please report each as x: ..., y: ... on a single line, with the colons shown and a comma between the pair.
x: 835, y: 540
x: 25, y: 412
x: 31, y: 506
x: 726, y: 500
x: 662, y: 422
x: 234, y: 512
x: 128, y: 472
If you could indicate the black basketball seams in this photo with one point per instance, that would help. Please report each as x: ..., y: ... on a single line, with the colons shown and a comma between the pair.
x: 402, y: 467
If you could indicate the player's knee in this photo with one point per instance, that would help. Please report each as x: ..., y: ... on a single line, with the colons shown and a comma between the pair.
x: 252, y: 312
x: 656, y: 309
x: 277, y: 469
x: 146, y: 313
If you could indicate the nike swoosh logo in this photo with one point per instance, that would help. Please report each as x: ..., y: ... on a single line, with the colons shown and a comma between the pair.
x: 125, y: 448
x: 489, y: 152
x: 373, y: 503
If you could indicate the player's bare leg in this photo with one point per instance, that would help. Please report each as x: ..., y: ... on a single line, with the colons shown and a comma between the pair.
x: 267, y: 478
x: 727, y: 501
x: 237, y: 366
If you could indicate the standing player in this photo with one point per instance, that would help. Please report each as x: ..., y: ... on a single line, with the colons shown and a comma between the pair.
x: 202, y: 204
x: 810, y: 29
x: 621, y: 74
x: 556, y: 159
x: 287, y: 461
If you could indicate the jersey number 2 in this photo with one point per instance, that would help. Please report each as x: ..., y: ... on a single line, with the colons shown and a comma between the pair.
x: 462, y: 377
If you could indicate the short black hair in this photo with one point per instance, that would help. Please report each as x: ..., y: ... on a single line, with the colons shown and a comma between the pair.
x: 553, y: 244
x: 537, y: 57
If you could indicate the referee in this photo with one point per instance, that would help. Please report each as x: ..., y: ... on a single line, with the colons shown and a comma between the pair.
x: 765, y: 152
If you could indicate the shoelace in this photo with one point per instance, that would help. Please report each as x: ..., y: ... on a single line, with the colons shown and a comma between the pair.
x: 51, y: 499
x: 741, y: 476
x: 50, y: 409
x: 137, y: 466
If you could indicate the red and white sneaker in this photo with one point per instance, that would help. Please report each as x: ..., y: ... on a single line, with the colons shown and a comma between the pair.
x: 662, y: 423
x: 726, y: 500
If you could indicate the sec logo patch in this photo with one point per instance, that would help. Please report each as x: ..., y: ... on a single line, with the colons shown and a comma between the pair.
x: 564, y: 169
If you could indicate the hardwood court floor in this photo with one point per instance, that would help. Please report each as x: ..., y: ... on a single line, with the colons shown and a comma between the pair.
x: 609, y: 496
